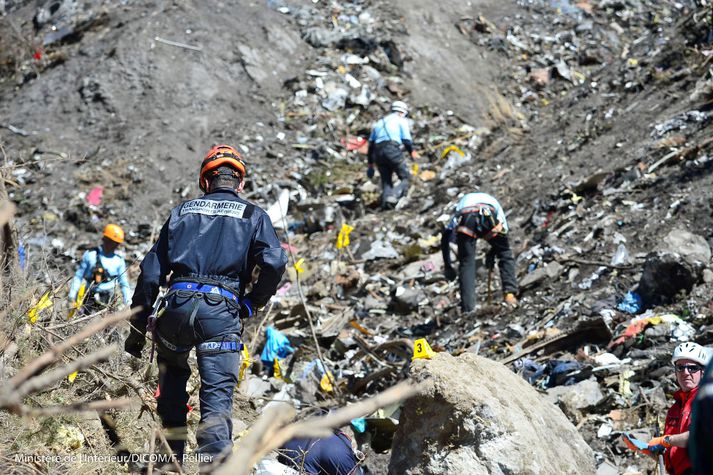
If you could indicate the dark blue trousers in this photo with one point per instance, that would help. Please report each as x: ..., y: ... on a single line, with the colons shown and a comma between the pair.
x: 214, y: 320
x: 390, y: 160
x: 500, y: 248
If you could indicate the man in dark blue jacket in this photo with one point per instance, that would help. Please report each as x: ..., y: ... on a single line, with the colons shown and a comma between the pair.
x: 209, y: 246
x: 326, y: 456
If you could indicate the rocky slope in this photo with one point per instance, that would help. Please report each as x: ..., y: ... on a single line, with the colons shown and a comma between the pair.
x: 589, y: 121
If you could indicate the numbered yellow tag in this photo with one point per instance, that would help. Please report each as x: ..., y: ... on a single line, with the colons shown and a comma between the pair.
x: 343, y: 238
x: 414, y: 169
x: 245, y: 363
x: 34, y: 312
x: 73, y: 376
x: 326, y: 382
x: 422, y: 350
x: 298, y: 265
x: 277, y: 371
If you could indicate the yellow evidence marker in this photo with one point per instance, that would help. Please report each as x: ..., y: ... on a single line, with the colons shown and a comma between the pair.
x: 276, y: 370
x: 422, y: 350
x: 245, y: 363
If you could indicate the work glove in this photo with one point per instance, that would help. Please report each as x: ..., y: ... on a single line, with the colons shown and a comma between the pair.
x: 370, y: 172
x: 134, y: 343
x: 246, y: 308
x: 450, y: 273
x: 658, y: 444
x: 637, y: 445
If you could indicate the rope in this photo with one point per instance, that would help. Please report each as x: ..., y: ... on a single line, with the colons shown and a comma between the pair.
x: 302, y: 297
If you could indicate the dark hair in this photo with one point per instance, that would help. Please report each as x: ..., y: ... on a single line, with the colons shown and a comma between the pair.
x: 223, y: 177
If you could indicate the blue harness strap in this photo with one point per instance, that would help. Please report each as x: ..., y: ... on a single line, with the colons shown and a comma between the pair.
x: 220, y: 346
x: 205, y: 289
x: 206, y: 346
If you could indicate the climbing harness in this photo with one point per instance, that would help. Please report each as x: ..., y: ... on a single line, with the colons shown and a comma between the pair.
x: 196, y: 289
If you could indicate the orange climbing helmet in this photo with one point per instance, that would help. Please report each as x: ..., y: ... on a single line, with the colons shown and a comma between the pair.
x: 114, y: 233
x: 218, y: 156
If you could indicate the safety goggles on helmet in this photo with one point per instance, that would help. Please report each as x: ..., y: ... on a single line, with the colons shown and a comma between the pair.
x: 220, y: 156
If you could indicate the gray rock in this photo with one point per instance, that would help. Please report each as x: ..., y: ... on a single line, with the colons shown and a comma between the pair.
x: 432, y: 264
x: 533, y: 278
x: 607, y: 468
x: 692, y: 247
x: 406, y: 299
x: 256, y: 387
x: 380, y: 250
x: 464, y: 422
x: 572, y: 399
x: 371, y: 302
x: 551, y: 270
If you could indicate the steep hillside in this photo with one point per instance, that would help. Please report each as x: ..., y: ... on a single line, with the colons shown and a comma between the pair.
x: 591, y: 123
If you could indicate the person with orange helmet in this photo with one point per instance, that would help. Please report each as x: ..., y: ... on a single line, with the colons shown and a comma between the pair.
x: 100, y: 270
x: 210, y: 247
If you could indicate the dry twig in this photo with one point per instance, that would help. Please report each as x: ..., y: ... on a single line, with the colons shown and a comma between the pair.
x: 53, y: 354
x: 99, y: 406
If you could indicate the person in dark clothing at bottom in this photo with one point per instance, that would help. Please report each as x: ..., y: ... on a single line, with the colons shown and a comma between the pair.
x: 700, y: 442
x: 210, y: 246
x: 479, y: 216
x: 327, y: 456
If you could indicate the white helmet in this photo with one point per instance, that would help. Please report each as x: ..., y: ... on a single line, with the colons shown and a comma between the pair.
x: 691, y: 351
x: 399, y: 106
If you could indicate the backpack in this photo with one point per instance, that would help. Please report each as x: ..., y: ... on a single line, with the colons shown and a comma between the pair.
x: 99, y: 274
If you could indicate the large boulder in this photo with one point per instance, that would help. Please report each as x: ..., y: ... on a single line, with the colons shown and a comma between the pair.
x: 692, y: 247
x: 475, y: 416
x: 665, y: 274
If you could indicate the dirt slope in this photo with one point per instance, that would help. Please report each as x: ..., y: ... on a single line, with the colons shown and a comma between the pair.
x: 132, y: 99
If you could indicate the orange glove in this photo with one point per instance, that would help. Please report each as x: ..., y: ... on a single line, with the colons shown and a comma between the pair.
x: 659, y: 443
x: 637, y: 445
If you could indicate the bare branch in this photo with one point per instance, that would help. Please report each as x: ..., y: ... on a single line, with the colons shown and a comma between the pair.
x: 92, y: 406
x: 11, y: 398
x: 38, y: 382
x: 176, y: 465
x: 55, y: 352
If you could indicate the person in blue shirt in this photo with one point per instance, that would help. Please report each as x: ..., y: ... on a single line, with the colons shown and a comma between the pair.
x: 388, y: 134
x: 479, y: 216
x: 101, y: 269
